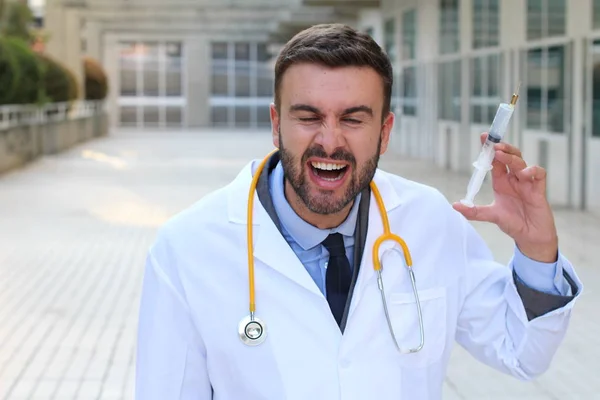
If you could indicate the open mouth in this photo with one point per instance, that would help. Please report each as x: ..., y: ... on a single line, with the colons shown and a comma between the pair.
x: 329, y: 171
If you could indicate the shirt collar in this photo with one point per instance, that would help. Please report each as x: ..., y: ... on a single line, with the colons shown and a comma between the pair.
x: 303, y: 233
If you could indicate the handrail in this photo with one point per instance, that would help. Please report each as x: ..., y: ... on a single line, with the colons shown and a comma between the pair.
x: 13, y: 115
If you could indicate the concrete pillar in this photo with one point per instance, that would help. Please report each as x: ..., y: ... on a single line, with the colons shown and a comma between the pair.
x: 428, y: 17
x: 198, y: 81
x: 466, y: 44
x: 64, y: 26
x: 110, y: 61
x: 93, y: 40
x: 578, y: 25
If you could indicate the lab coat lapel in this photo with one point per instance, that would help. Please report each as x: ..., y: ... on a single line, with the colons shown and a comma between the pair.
x: 270, y: 247
x: 393, y: 265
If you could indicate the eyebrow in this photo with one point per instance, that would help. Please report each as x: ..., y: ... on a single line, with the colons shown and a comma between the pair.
x: 351, y: 110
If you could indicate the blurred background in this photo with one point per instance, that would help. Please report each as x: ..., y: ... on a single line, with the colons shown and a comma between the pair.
x: 117, y: 114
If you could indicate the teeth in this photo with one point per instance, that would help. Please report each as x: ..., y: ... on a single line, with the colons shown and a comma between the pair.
x: 327, y: 166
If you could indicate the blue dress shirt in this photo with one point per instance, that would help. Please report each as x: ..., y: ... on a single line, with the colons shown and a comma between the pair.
x: 305, y: 240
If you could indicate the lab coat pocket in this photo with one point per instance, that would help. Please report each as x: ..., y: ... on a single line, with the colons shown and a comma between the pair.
x: 405, y: 322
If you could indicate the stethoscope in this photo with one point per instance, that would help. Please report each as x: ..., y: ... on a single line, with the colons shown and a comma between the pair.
x: 253, y: 331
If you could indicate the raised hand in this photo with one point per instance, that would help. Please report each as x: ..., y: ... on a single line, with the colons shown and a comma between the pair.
x: 520, y: 207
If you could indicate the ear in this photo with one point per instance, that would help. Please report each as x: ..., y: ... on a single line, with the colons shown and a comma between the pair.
x: 386, y: 130
x: 274, y: 125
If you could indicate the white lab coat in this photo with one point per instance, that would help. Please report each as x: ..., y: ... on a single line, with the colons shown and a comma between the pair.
x: 196, y: 291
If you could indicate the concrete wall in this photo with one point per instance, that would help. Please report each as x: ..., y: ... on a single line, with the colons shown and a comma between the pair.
x: 23, y: 144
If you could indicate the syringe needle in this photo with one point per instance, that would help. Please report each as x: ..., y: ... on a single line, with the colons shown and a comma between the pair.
x: 515, y: 96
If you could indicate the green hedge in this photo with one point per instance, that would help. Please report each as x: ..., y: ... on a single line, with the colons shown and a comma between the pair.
x: 60, y: 84
x: 10, y: 73
x: 27, y: 77
x: 21, y: 73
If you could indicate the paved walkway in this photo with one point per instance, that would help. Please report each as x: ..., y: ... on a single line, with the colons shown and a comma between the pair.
x: 74, y: 232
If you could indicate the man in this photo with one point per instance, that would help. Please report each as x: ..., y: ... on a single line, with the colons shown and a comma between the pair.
x: 314, y: 226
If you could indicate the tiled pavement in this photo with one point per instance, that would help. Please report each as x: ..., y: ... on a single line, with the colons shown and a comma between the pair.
x: 74, y: 229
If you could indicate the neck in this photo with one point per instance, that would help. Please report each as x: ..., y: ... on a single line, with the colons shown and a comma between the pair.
x: 321, y: 221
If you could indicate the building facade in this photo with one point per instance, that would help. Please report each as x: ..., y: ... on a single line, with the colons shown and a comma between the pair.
x: 196, y: 63
x: 456, y: 60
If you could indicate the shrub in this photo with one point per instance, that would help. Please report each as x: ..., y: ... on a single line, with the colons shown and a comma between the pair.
x: 96, y: 82
x: 10, y: 73
x: 59, y: 84
x: 24, y: 75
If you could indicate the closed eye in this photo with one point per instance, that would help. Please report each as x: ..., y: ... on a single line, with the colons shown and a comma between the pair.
x: 352, y: 120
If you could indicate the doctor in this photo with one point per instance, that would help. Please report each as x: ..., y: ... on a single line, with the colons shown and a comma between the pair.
x: 326, y: 330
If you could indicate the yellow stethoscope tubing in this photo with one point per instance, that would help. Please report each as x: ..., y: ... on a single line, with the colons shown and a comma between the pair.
x: 387, y: 235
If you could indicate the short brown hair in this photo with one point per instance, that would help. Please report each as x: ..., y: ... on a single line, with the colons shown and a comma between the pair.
x: 335, y: 45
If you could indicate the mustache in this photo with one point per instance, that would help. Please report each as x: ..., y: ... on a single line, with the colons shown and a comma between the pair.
x: 338, y: 155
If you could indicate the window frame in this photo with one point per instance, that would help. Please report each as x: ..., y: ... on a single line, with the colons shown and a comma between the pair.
x: 404, y: 102
x: 545, y: 45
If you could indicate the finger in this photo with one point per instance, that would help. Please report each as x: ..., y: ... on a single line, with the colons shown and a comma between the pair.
x: 483, y: 137
x: 513, y: 162
x: 535, y: 174
x: 508, y: 148
x: 476, y: 213
x: 498, y: 169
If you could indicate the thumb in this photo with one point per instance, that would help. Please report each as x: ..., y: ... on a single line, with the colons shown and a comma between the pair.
x: 476, y: 213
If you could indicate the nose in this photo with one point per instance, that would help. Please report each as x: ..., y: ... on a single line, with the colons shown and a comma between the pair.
x: 331, y: 137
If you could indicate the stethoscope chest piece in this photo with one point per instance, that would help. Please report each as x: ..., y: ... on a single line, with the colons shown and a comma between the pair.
x: 252, y: 331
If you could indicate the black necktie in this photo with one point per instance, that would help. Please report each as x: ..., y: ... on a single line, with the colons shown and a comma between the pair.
x: 338, y: 276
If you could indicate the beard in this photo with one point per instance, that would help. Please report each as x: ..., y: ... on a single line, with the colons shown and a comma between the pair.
x: 324, y: 202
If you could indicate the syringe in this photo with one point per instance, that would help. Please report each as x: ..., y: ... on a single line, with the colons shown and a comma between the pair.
x: 484, y: 161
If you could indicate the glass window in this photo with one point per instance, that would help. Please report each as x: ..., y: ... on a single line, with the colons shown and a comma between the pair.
x: 128, y: 82
x: 546, y: 18
x: 555, y: 109
x: 151, y: 116
x: 449, y: 26
x: 534, y: 19
x: 409, y: 35
x: 219, y: 51
x: 219, y: 116
x: 596, y: 14
x: 596, y: 89
x: 128, y: 115
x: 242, y: 51
x: 128, y: 66
x: 263, y: 116
x: 449, y: 90
x: 262, y: 53
x: 390, y: 39
x: 546, y: 89
x: 242, y: 116
x: 173, y: 116
x: 557, y: 18
x: 534, y: 89
x: 409, y: 92
x: 149, y: 69
x: 486, y: 23
x: 240, y: 71
x: 242, y: 80
x: 485, y: 88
